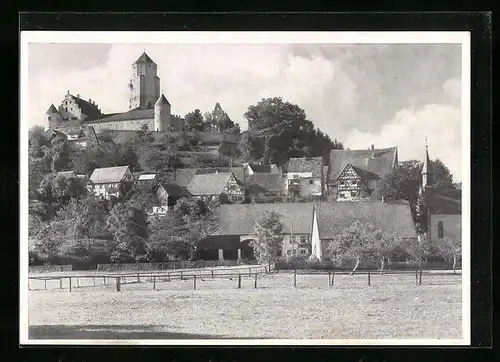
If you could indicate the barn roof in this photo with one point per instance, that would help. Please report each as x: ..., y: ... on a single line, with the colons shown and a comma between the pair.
x: 335, y: 216
x: 239, y: 219
x: 265, y: 182
x: 174, y: 190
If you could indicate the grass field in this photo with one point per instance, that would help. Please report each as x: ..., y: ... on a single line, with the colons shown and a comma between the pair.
x: 392, y: 307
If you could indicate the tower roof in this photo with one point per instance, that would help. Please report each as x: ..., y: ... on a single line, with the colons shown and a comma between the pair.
x: 51, y: 110
x: 426, y: 168
x: 144, y: 58
x: 162, y: 100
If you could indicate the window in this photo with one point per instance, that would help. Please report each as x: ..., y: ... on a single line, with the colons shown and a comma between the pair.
x: 65, y: 109
x: 234, y: 198
x: 342, y: 194
x: 440, y: 229
x: 302, y: 251
x: 73, y: 118
x: 50, y: 118
x: 341, y: 182
x: 303, y: 239
x: 353, y: 193
x: 311, y: 182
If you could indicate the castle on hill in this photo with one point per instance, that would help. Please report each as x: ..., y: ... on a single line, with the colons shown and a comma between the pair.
x: 147, y: 106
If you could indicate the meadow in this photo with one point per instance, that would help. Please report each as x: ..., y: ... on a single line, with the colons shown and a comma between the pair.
x: 391, y: 307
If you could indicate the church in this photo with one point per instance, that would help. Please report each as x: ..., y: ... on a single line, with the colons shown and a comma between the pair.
x: 147, y: 106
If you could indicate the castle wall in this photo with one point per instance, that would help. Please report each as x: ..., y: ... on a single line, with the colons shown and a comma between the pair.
x: 130, y: 125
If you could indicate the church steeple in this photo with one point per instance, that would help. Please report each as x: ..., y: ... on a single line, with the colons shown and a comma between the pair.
x: 426, y: 169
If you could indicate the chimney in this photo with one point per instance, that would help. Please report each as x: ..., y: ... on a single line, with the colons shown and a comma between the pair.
x: 93, y: 102
x: 67, y: 92
x: 372, y: 153
x: 383, y: 200
x: 90, y: 100
x: 372, y: 147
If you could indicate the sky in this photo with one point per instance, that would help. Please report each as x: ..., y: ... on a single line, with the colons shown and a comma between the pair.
x: 360, y: 94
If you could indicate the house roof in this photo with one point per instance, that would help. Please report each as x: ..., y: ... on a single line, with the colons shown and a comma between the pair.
x: 335, y: 216
x: 257, y: 168
x: 144, y: 58
x: 145, y: 177
x: 52, y: 110
x: 67, y: 173
x: 184, y: 175
x: 108, y: 174
x: 174, y: 190
x: 239, y: 219
x: 135, y: 113
x: 208, y: 184
x: 365, y: 174
x: 70, y: 131
x: 91, y: 110
x: 265, y: 182
x: 445, y: 201
x: 306, y: 164
x: 382, y: 163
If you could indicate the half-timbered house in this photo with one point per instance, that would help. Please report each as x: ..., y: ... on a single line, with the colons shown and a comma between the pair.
x: 216, y: 185
x: 105, y: 182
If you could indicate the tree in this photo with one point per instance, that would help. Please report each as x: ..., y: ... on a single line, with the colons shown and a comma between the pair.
x: 129, y: 228
x: 251, y: 146
x: 382, y: 246
x: 59, y: 155
x: 441, y: 175
x: 419, y: 250
x: 164, y: 242
x: 421, y: 214
x: 229, y: 151
x: 156, y: 160
x: 361, y: 241
x: 402, y: 184
x: 450, y: 248
x: 267, y: 237
x: 193, y: 121
x: 50, y: 239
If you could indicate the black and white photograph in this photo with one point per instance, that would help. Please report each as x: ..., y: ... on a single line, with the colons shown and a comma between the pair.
x: 245, y: 188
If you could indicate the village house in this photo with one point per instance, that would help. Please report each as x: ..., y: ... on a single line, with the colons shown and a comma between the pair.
x: 77, y: 137
x: 146, y: 178
x: 167, y: 195
x: 353, y: 174
x: 212, y: 186
x: 239, y: 220
x: 330, y: 218
x: 72, y: 174
x: 105, y: 182
x: 266, y: 188
x: 305, y: 177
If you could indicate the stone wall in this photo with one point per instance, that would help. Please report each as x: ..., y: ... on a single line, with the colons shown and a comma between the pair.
x: 131, y: 125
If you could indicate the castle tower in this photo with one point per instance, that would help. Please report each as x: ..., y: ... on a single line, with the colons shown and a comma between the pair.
x: 144, y: 86
x: 163, y: 117
x: 53, y: 117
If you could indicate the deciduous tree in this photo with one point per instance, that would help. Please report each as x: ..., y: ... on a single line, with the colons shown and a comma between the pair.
x: 193, y: 121
x: 267, y: 237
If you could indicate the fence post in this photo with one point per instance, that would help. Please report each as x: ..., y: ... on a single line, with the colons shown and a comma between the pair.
x: 265, y: 269
x: 118, y: 285
x: 249, y: 272
x: 168, y: 275
x: 255, y: 285
x: 239, y: 281
x: 333, y: 277
x: 154, y: 282
x: 212, y: 273
x: 104, y: 280
x: 329, y: 279
x: 60, y: 283
x: 45, y: 280
x: 77, y: 282
x: 181, y: 275
x: 70, y: 284
x: 138, y: 278
x: 93, y: 278
x: 194, y: 282
x: 368, y: 278
x: 295, y: 278
x: 420, y: 280
x: 416, y: 276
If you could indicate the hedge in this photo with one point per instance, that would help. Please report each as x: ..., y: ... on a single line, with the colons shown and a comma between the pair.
x: 306, y: 265
x: 49, y: 268
x: 169, y: 265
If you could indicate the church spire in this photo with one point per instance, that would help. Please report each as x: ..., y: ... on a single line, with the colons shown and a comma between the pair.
x: 426, y: 169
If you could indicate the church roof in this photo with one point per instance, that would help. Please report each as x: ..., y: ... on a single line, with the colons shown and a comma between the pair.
x: 133, y: 114
x: 380, y: 163
x: 52, y: 110
x: 144, y: 58
x: 162, y: 100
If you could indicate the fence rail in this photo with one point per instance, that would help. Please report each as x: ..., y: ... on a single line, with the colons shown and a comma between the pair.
x: 170, y: 265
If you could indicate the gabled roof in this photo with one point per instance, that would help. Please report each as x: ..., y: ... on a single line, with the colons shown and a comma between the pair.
x: 445, y: 201
x: 52, y: 110
x: 364, y: 174
x: 162, y: 100
x: 174, y: 190
x: 265, y: 182
x: 239, y: 219
x: 135, y: 113
x: 383, y: 161
x: 91, y: 110
x: 144, y: 58
x: 306, y: 164
x: 208, y: 184
x: 257, y: 168
x: 108, y: 174
x: 394, y: 217
x: 70, y: 131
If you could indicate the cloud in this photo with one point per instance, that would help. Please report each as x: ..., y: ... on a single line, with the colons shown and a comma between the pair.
x: 440, y: 123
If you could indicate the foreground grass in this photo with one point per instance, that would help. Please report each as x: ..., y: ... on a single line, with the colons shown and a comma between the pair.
x: 392, y: 307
